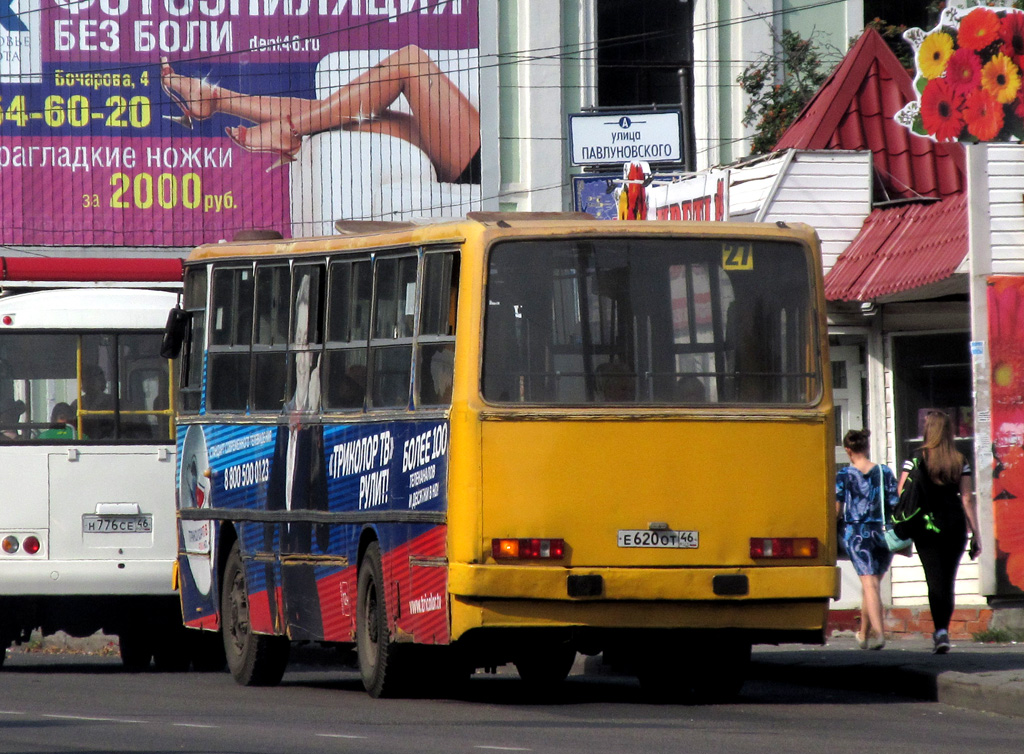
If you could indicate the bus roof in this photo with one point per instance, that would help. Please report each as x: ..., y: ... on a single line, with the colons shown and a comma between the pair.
x: 86, y: 309
x: 376, y: 234
x: 74, y: 272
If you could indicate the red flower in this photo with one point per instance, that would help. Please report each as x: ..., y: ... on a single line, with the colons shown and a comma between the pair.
x: 963, y: 71
x: 983, y: 115
x: 1011, y: 32
x: 978, y: 29
x: 941, y: 110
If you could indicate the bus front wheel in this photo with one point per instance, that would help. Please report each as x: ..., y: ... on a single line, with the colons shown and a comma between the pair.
x: 254, y: 659
x: 380, y: 659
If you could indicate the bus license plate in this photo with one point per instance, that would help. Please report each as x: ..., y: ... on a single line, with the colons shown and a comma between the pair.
x: 142, y: 524
x: 685, y: 540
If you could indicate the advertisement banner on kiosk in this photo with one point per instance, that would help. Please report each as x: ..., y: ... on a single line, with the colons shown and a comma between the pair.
x: 1006, y: 355
x: 178, y: 122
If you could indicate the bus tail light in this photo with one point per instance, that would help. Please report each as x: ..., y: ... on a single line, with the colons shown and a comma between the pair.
x: 783, y: 547
x: 527, y: 549
x: 30, y: 545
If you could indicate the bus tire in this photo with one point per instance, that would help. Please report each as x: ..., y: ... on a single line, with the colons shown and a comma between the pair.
x: 380, y: 659
x: 136, y: 649
x: 546, y: 665
x: 254, y: 659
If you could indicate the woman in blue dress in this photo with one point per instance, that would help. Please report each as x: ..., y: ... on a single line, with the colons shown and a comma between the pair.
x: 859, y: 490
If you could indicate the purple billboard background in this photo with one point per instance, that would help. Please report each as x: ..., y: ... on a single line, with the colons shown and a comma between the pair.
x: 88, y: 153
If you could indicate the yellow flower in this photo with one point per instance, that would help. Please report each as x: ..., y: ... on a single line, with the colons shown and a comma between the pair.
x: 933, y: 54
x: 1001, y: 78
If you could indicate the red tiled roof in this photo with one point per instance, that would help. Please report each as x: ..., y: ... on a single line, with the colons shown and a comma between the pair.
x: 900, y: 248
x: 854, y: 110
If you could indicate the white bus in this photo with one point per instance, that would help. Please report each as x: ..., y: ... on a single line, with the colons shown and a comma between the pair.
x: 88, y: 535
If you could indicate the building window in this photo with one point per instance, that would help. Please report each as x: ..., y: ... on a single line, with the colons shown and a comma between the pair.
x: 932, y: 372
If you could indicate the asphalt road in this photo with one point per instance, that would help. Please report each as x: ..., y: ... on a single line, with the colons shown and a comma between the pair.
x: 88, y: 704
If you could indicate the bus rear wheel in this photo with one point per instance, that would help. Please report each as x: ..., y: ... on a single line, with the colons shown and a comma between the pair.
x: 380, y: 660
x: 254, y: 659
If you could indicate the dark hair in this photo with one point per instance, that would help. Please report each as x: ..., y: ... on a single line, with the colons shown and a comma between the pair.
x: 857, y: 440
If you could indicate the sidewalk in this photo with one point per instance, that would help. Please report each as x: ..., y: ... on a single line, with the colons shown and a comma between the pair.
x: 985, y: 677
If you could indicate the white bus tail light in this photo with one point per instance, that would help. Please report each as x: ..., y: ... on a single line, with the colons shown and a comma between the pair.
x: 527, y: 549
x: 8, y: 320
x: 11, y: 545
x: 783, y: 547
x: 30, y: 545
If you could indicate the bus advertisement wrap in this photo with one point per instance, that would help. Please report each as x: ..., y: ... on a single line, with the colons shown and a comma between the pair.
x: 161, y: 122
x: 324, y: 476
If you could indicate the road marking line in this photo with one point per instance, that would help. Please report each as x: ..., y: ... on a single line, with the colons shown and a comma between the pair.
x: 337, y: 735
x: 193, y: 725
x: 503, y: 748
x: 95, y: 719
x: 10, y: 712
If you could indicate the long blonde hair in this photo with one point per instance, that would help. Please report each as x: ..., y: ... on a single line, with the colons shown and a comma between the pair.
x: 945, y: 463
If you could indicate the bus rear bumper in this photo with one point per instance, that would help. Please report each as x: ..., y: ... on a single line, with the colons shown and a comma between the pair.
x: 687, y: 584
x: 87, y: 577
x: 780, y: 602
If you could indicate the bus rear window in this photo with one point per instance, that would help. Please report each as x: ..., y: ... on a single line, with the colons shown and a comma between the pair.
x: 650, y: 321
x: 70, y: 388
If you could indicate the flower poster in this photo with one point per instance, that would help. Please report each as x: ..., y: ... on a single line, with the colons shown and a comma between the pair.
x: 140, y: 123
x: 969, y: 77
x: 1005, y: 325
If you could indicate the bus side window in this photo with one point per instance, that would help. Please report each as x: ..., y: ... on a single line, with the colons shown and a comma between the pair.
x: 230, y: 337
x: 191, y: 374
x: 436, y: 346
x: 391, y: 345
x: 348, y: 328
x: 306, y: 339
x: 273, y: 285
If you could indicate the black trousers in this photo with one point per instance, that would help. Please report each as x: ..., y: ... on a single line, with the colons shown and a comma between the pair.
x: 940, y: 555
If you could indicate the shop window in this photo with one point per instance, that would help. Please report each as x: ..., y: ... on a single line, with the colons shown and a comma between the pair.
x: 932, y: 372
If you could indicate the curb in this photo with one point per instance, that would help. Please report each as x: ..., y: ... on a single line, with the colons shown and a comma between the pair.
x: 1000, y: 692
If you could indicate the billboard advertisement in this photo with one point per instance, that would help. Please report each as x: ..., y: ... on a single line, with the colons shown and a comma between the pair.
x: 968, y: 77
x: 177, y: 122
x: 1005, y: 323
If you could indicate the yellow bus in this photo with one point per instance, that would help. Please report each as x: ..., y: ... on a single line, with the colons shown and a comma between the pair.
x: 510, y: 438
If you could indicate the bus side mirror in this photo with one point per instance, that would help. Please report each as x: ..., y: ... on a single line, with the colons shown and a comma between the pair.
x: 174, y: 332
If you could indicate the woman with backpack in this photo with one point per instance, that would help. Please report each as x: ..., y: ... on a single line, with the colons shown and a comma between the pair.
x: 860, y: 488
x: 947, y: 511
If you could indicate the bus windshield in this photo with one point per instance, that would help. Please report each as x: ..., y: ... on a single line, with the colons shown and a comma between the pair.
x: 70, y: 387
x: 650, y: 321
